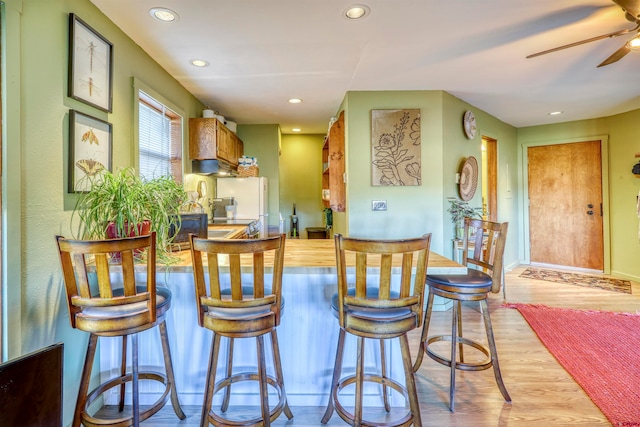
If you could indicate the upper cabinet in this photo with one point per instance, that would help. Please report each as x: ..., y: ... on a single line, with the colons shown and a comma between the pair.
x: 210, y: 139
x: 333, y: 179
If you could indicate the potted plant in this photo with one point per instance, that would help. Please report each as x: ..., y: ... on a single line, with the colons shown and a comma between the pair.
x: 123, y: 204
x: 460, y: 210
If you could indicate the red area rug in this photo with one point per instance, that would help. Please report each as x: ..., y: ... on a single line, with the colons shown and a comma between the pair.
x: 601, y: 351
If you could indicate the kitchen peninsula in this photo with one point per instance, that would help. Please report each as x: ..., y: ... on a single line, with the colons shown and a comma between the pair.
x: 308, y: 333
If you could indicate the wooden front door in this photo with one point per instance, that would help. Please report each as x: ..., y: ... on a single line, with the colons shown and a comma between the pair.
x: 565, y: 205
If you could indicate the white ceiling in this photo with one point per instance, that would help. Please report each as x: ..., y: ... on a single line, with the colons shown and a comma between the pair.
x: 262, y: 53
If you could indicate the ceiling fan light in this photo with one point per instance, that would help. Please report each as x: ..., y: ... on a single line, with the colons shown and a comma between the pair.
x: 634, y: 44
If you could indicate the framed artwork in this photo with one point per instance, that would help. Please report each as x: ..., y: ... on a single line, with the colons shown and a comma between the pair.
x: 89, y: 149
x: 395, y: 147
x: 90, y: 65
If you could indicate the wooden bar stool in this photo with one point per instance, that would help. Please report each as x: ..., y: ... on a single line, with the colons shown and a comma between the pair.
x: 232, y: 310
x: 104, y: 310
x: 375, y: 309
x: 473, y: 286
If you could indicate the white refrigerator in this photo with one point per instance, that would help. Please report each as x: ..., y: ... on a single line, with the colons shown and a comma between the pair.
x: 250, y: 199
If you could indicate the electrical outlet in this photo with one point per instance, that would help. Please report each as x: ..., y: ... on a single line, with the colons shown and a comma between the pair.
x: 378, y: 205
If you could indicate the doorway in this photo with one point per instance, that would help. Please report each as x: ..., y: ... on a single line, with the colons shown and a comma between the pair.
x: 489, y: 179
x: 566, y: 205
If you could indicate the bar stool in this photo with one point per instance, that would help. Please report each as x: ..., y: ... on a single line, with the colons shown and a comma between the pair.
x: 232, y: 310
x: 473, y: 286
x: 377, y: 309
x: 109, y: 311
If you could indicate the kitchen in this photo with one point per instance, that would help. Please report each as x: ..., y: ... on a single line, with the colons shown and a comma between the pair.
x: 36, y: 146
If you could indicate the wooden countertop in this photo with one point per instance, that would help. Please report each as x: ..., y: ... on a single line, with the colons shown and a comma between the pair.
x: 318, y: 256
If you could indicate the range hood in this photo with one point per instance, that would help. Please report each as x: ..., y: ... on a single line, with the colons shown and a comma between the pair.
x: 212, y: 167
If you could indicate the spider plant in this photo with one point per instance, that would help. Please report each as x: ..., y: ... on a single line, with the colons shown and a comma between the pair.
x: 125, y: 200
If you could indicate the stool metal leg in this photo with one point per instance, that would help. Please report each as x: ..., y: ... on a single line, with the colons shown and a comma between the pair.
x: 211, y: 380
x: 123, y: 372
x: 357, y: 416
x: 410, y: 381
x: 278, y: 365
x: 227, y: 390
x: 454, y: 340
x: 168, y: 365
x: 84, y: 380
x: 337, y: 369
x: 135, y: 382
x: 425, y: 330
x: 493, y: 350
x: 383, y: 362
x: 262, y: 375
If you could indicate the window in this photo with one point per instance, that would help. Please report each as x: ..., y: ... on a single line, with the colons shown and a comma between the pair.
x: 159, y: 139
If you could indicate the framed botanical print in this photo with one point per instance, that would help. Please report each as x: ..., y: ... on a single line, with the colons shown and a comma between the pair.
x: 89, y: 149
x: 395, y: 147
x: 90, y: 65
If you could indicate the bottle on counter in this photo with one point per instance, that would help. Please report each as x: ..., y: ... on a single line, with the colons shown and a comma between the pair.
x: 294, y: 224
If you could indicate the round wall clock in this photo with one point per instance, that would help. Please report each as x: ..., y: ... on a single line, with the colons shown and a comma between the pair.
x: 469, y: 122
x: 468, y: 179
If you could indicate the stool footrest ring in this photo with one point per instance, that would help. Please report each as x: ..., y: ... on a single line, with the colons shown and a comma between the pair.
x: 89, y: 421
x: 463, y: 366
x: 274, y: 413
x: 348, y: 417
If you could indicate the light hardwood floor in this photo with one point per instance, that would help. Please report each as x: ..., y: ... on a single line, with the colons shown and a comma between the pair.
x: 543, y: 393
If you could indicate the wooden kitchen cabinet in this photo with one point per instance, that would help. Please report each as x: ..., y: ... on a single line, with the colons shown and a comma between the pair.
x: 333, y: 168
x: 210, y: 139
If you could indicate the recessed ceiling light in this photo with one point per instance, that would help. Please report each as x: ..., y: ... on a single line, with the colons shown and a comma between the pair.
x: 357, y: 11
x: 295, y: 101
x: 163, y: 14
x: 555, y: 113
x: 199, y: 62
x: 296, y: 130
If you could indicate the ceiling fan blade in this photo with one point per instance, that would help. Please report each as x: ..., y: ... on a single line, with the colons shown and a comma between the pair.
x: 616, y: 56
x: 592, y: 39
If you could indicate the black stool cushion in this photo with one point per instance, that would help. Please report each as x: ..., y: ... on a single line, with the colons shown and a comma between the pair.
x: 371, y: 312
x: 474, y: 281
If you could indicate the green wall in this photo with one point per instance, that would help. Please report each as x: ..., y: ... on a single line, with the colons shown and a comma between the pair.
x: 414, y: 210
x: 263, y: 143
x: 621, y: 132
x: 301, y: 180
x: 35, y: 135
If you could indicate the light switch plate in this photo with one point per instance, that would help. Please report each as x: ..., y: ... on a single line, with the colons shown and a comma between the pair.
x: 378, y: 205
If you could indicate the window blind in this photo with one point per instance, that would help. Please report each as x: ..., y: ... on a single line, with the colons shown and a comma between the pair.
x: 159, y: 140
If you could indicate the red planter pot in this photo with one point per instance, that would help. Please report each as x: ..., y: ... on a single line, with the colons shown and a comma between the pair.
x: 143, y: 229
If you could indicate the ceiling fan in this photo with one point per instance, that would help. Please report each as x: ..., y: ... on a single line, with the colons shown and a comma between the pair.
x: 631, y: 10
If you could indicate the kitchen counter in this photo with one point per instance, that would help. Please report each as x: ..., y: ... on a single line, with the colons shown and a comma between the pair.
x: 318, y: 256
x: 233, y: 230
x: 308, y: 332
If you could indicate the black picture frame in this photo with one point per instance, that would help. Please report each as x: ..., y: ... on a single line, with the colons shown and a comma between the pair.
x: 90, y: 147
x: 90, y: 65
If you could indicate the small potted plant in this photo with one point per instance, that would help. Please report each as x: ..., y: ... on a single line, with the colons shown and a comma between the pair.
x: 123, y: 204
x: 460, y: 210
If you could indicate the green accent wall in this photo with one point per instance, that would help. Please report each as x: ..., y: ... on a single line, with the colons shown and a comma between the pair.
x: 301, y: 180
x: 263, y: 143
x: 414, y: 210
x: 35, y: 155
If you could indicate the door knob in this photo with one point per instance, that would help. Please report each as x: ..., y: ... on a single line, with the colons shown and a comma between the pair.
x: 590, y: 206
x: 589, y: 212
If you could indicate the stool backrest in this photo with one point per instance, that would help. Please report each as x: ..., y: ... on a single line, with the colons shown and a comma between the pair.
x: 79, y: 258
x: 228, y: 259
x: 491, y: 237
x: 386, y: 257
